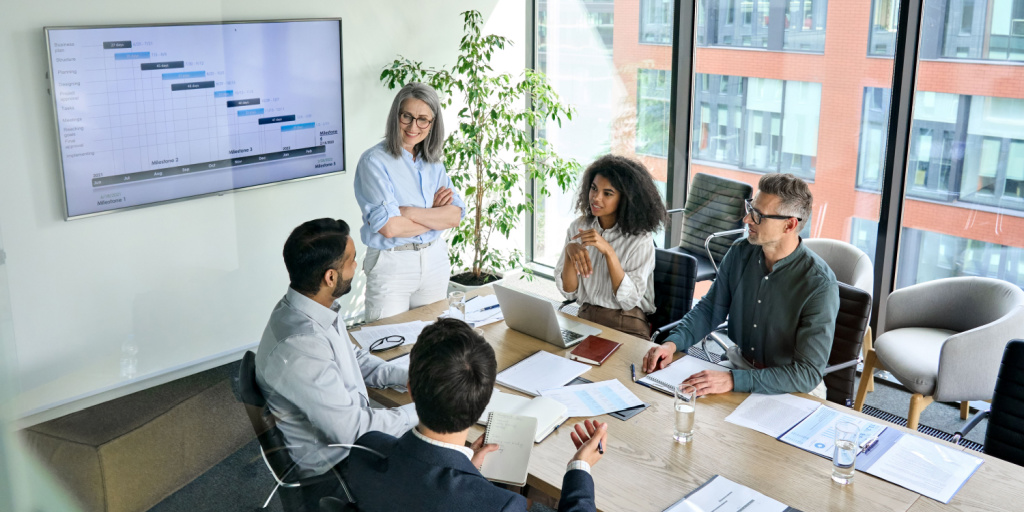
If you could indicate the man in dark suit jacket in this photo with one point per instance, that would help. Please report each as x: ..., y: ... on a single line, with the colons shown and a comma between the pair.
x: 451, y: 375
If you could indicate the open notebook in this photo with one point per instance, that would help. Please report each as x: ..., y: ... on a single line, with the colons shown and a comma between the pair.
x: 548, y: 412
x: 542, y: 370
x: 514, y: 437
x: 666, y: 379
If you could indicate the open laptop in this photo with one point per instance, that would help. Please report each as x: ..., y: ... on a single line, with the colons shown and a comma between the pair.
x: 537, y: 317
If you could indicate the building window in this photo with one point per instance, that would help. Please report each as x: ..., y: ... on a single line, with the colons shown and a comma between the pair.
x: 656, y: 22
x: 884, y: 20
x: 748, y: 24
x: 994, y: 153
x: 871, y: 156
x: 757, y: 124
x: 964, y: 29
x: 805, y: 25
x: 652, y: 111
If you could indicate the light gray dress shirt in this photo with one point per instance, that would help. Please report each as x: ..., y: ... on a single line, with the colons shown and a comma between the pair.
x: 315, y: 381
x: 636, y: 255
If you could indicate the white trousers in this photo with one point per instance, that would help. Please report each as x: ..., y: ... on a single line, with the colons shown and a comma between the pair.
x: 397, y: 281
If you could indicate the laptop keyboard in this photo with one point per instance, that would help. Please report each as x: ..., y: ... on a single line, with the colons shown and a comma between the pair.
x: 570, y: 336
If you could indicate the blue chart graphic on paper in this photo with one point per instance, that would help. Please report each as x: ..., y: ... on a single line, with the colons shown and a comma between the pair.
x: 148, y: 114
x: 609, y: 397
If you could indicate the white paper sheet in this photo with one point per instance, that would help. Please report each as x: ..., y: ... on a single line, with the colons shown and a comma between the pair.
x: 772, y: 414
x: 542, y: 370
x: 666, y: 379
x: 594, y: 399
x: 816, y: 434
x: 481, y: 310
x: 925, y: 467
x: 369, y: 334
x: 723, y: 495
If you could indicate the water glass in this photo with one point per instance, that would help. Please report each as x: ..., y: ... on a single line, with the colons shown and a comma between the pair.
x: 685, y: 402
x: 845, y: 454
x: 457, y: 305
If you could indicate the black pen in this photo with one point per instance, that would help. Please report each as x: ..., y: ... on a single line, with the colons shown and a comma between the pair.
x: 632, y: 371
x: 600, y: 447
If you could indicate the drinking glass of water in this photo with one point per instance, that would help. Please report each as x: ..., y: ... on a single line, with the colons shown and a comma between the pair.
x: 845, y: 453
x: 686, y: 400
x: 457, y: 305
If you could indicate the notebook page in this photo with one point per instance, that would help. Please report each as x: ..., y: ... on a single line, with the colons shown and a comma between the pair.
x: 514, y: 437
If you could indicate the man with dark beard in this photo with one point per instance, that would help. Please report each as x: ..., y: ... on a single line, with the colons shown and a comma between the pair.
x: 313, y: 378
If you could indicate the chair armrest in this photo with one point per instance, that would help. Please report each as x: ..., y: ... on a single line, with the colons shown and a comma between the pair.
x: 707, y: 243
x: 663, y: 331
x: 566, y: 303
x: 973, y: 422
x: 840, y: 366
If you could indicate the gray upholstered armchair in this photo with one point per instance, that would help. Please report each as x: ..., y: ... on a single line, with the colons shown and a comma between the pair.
x: 944, y: 339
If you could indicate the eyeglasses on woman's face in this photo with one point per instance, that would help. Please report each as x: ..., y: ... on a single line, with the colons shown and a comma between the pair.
x: 421, y: 122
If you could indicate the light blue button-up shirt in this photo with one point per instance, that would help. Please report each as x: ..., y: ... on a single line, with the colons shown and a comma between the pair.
x: 315, y: 382
x: 384, y: 183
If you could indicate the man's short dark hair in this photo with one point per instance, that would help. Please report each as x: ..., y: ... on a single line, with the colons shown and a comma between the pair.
x: 312, y: 249
x: 451, y: 376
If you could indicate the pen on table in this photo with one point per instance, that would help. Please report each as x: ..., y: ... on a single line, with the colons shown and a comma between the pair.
x: 600, y: 447
x: 632, y: 371
x: 471, y: 298
x: 488, y: 308
x: 868, y: 445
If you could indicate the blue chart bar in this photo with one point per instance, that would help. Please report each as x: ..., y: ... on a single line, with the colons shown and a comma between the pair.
x: 131, y: 55
x: 303, y: 126
x: 250, y: 112
x: 184, y: 74
x: 223, y: 94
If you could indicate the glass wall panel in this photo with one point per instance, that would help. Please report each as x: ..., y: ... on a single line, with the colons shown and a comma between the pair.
x: 612, y: 61
x: 964, y: 209
x: 804, y: 107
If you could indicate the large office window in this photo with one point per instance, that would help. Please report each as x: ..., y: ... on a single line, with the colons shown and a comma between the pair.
x: 799, y: 25
x: 616, y: 72
x: 963, y: 213
x: 757, y: 124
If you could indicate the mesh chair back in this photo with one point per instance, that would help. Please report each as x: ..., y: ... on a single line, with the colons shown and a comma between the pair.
x: 851, y: 323
x: 1005, y: 435
x: 674, y: 276
x: 713, y: 204
x: 272, y: 441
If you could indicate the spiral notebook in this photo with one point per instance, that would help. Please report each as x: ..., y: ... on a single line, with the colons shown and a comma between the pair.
x: 514, y: 437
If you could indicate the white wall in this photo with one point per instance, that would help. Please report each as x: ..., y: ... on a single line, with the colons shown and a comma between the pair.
x: 190, y: 280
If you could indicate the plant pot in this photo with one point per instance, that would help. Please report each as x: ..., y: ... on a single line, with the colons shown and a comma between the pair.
x: 456, y: 286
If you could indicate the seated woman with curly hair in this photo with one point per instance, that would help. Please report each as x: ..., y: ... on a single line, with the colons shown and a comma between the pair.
x: 607, y: 264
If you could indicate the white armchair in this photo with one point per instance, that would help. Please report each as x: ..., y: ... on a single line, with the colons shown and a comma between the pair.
x: 944, y: 339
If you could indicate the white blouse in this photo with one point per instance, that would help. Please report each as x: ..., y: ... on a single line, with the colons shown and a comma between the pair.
x: 636, y: 255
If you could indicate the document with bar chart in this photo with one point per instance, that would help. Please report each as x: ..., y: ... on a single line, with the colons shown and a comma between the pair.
x: 160, y: 113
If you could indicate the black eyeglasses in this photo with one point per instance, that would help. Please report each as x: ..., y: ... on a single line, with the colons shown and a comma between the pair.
x: 757, y: 216
x: 421, y: 122
x: 387, y: 343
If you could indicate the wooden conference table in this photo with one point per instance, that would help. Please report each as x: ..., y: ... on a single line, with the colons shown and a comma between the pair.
x: 643, y: 469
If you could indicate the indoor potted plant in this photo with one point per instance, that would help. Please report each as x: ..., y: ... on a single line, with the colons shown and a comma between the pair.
x: 492, y: 153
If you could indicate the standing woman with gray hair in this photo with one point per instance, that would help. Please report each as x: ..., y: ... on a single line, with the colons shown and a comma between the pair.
x: 407, y: 201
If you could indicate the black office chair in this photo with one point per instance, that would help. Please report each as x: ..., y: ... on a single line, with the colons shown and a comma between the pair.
x: 273, y: 447
x: 675, y: 274
x: 1005, y: 435
x: 851, y: 324
x: 713, y: 205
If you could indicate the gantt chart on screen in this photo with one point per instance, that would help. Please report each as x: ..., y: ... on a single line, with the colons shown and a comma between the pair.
x: 150, y: 114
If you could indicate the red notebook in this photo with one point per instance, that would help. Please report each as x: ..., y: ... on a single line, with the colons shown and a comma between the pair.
x: 594, y: 350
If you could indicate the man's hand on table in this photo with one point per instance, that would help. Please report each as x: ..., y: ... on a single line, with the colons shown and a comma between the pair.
x: 710, y: 382
x: 659, y: 357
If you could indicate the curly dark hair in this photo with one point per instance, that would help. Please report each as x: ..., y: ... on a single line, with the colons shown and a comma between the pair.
x: 641, y: 209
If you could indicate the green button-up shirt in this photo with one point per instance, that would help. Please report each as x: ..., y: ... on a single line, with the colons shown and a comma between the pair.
x: 782, y: 320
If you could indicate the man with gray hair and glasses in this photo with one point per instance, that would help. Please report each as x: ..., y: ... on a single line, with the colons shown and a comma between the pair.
x: 779, y: 298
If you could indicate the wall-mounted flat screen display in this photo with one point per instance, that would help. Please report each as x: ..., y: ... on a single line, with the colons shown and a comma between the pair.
x: 158, y: 113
